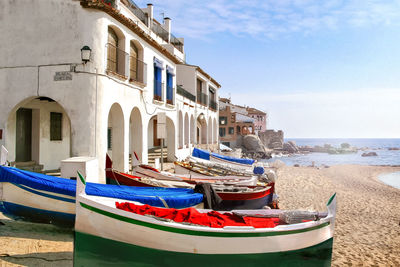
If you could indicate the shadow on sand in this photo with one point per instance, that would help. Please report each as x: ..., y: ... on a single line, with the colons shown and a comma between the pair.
x: 22, y: 229
x: 58, y: 259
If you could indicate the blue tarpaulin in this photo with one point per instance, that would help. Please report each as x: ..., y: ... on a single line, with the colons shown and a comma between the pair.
x: 174, y: 197
x: 203, y: 154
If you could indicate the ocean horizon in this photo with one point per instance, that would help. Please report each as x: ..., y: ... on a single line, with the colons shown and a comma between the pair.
x: 378, y: 145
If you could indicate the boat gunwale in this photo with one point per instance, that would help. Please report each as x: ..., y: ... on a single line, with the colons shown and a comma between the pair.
x: 96, y: 205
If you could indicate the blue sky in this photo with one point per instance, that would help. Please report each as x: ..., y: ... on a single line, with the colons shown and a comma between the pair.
x: 318, y: 68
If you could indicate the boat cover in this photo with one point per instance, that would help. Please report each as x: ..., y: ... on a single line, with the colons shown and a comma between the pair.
x: 155, y: 196
x: 212, y: 219
x: 204, y: 154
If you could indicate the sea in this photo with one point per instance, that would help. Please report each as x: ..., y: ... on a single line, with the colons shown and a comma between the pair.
x: 379, y: 145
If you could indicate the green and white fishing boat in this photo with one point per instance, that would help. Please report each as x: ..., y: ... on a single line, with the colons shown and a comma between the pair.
x: 105, y: 235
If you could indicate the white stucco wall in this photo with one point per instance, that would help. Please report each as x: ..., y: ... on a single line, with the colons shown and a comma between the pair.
x: 53, y: 32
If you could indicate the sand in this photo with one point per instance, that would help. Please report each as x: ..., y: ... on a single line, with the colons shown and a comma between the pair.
x: 367, y: 227
x: 367, y: 230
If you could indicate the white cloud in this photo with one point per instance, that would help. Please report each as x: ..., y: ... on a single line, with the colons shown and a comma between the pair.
x: 272, y: 18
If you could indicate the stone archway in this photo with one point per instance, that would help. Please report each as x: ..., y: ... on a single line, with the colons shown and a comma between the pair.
x: 180, y: 129
x: 215, y: 131
x: 136, y: 134
x: 192, y: 130
x: 210, y: 131
x: 38, y: 133
x: 115, y: 137
x: 154, y: 144
x: 186, y: 130
x: 201, y: 129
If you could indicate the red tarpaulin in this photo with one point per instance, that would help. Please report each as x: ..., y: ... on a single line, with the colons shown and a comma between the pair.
x: 191, y: 215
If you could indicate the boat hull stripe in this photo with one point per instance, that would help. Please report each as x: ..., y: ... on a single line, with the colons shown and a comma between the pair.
x: 198, y: 233
x: 44, y: 194
x: 92, y: 250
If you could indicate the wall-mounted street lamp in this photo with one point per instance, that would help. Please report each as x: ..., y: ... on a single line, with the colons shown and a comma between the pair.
x: 85, y: 54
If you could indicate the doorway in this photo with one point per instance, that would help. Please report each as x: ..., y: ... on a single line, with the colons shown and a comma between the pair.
x: 24, y: 135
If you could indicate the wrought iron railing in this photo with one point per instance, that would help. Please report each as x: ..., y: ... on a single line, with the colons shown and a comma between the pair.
x: 164, y: 34
x: 158, y: 88
x: 170, y: 95
x: 213, y: 104
x: 137, y: 70
x: 175, y: 42
x: 137, y: 11
x: 160, y: 31
x: 202, y: 98
x: 184, y: 93
x: 116, y: 59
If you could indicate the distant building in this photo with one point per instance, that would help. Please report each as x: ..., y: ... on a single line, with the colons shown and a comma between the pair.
x: 233, y: 122
x: 260, y: 119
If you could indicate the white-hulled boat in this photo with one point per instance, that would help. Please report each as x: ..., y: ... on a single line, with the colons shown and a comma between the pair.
x: 107, y: 235
x: 42, y: 198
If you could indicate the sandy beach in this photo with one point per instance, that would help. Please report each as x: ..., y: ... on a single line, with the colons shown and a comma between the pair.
x: 367, y: 228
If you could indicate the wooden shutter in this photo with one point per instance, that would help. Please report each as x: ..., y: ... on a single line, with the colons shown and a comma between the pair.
x: 112, y: 58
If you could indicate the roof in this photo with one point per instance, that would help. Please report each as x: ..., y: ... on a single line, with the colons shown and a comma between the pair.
x: 255, y: 111
x: 204, y: 73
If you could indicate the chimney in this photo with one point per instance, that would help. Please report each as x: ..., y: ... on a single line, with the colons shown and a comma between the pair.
x: 149, y: 11
x: 167, y: 27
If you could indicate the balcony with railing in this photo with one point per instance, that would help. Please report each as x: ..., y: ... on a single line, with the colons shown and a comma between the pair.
x: 202, y: 98
x: 137, y: 11
x: 170, y: 95
x: 176, y: 43
x: 164, y: 34
x: 181, y: 91
x: 160, y: 31
x: 137, y: 70
x: 116, y: 59
x: 158, y: 90
x: 213, y: 105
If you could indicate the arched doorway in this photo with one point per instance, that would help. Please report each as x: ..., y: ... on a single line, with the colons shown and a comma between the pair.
x: 210, y: 131
x: 201, y: 129
x: 136, y: 134
x: 180, y: 130
x: 39, y: 134
x: 215, y: 131
x: 186, y: 130
x: 115, y: 137
x: 154, y: 144
x: 192, y: 130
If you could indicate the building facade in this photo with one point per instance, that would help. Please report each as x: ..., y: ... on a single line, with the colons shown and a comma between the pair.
x: 233, y: 123
x: 55, y: 105
x: 260, y: 119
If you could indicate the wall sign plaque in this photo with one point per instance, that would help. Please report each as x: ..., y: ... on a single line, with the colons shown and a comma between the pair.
x: 63, y: 76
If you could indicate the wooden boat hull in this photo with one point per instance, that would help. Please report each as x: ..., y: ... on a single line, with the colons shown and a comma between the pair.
x: 230, y: 200
x: 106, y: 235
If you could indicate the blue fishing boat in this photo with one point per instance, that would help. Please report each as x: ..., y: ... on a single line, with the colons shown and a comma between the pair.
x: 42, y: 198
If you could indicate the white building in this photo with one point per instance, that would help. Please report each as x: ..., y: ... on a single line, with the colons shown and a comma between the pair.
x: 53, y: 106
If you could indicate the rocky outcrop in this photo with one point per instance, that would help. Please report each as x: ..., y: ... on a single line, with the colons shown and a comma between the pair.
x: 291, y: 147
x: 272, y: 139
x: 327, y: 148
x: 252, y: 142
x: 252, y: 147
x: 369, y: 154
